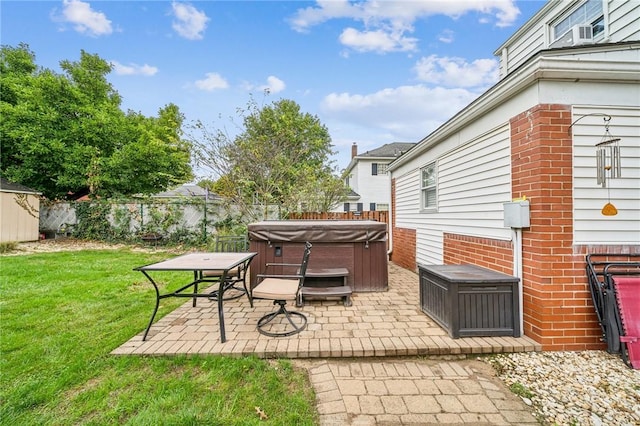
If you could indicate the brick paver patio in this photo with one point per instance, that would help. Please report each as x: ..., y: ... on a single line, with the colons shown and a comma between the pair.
x: 379, y: 324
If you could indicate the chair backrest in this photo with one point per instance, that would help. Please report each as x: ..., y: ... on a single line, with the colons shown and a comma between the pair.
x: 231, y: 243
x: 305, y: 261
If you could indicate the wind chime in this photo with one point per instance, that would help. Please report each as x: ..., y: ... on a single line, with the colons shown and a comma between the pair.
x: 608, y: 164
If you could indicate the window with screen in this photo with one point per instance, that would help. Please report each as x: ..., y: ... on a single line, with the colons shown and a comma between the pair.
x: 428, y: 186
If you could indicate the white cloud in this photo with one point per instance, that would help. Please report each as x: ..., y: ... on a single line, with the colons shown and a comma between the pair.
x: 377, y: 41
x: 386, y: 21
x: 189, y: 22
x: 507, y: 14
x: 456, y: 72
x: 408, y: 113
x: 446, y: 36
x: 133, y: 69
x: 405, y: 113
x: 274, y: 85
x: 84, y: 19
x: 326, y: 10
x: 212, y: 82
x: 401, y: 13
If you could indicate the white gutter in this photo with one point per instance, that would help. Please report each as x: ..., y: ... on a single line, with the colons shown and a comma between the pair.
x: 390, y: 226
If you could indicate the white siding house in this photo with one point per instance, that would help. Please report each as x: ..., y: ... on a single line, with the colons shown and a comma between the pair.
x: 553, y: 26
x: 533, y: 136
x: 368, y: 179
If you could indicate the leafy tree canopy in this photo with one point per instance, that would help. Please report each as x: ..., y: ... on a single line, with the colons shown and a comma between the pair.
x: 280, y: 158
x: 66, y: 134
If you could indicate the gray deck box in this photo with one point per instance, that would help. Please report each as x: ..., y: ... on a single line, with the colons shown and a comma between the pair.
x: 468, y: 300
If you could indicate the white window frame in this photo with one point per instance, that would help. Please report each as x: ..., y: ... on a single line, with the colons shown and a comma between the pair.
x: 429, y: 187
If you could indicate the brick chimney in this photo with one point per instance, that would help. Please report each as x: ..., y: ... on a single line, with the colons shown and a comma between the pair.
x: 354, y: 150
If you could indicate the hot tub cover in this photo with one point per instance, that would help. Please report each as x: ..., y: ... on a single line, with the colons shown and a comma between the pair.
x: 318, y: 230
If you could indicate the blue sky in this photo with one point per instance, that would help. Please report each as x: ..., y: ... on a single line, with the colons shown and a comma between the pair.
x: 373, y: 72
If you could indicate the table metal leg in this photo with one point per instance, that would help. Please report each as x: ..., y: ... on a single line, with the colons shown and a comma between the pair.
x: 220, y: 312
x: 195, y: 287
x: 155, y: 310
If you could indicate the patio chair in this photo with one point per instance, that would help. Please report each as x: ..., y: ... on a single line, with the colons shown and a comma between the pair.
x: 628, y: 296
x: 624, y: 280
x: 282, y: 288
x: 229, y: 244
x: 600, y: 268
x: 603, y: 300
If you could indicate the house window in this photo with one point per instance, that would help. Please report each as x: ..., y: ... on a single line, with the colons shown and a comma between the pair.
x: 378, y: 169
x: 382, y: 207
x: 428, y: 186
x: 353, y: 207
x: 590, y: 13
x: 372, y: 207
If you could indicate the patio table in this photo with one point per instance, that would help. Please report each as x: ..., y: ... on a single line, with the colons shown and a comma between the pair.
x: 198, y: 263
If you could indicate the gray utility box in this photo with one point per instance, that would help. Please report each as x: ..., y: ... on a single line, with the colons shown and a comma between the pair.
x: 468, y: 300
x: 516, y: 214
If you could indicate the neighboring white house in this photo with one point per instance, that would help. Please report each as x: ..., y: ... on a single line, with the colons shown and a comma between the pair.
x: 367, y: 177
x: 570, y: 79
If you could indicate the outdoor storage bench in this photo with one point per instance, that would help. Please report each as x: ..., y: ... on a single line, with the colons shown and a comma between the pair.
x: 468, y: 300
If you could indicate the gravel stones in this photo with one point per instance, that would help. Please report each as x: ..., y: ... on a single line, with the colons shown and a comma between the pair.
x: 573, y: 388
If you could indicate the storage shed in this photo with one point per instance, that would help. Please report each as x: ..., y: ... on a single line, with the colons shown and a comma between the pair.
x: 19, y: 212
x: 360, y: 246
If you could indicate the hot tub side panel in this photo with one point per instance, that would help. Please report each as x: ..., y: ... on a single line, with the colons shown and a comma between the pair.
x: 368, y: 269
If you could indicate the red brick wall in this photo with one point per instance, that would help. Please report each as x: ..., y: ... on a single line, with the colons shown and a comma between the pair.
x: 403, y: 240
x: 557, y: 305
x: 404, y: 248
x: 493, y: 254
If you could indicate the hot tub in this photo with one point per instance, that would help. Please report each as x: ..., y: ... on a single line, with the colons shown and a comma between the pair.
x: 360, y: 246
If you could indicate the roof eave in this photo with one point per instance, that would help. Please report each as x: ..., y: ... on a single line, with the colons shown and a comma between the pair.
x: 541, y: 67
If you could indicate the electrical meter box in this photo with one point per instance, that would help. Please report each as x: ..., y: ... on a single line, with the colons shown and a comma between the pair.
x: 516, y: 214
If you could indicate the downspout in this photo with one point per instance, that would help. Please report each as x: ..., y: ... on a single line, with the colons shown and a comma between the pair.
x: 517, y: 271
x: 390, y: 224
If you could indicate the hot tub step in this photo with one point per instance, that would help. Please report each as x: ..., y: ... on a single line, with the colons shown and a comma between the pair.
x: 343, y: 291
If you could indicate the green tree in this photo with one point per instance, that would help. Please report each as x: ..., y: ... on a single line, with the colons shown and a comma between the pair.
x: 158, y: 157
x: 65, y: 133
x: 281, y: 159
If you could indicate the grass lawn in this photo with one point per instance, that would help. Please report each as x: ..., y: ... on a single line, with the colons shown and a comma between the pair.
x: 62, y: 313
